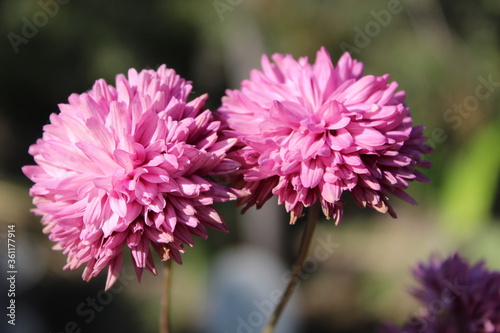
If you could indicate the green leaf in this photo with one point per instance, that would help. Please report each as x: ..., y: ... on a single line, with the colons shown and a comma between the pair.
x: 470, y: 184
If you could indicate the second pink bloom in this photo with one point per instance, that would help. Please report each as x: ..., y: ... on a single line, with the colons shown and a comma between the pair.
x: 311, y: 132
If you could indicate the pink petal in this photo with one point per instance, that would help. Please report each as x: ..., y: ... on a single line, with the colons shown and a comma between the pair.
x: 340, y: 140
x: 311, y: 173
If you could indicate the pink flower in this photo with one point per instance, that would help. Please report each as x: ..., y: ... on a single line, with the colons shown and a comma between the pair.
x: 311, y: 132
x: 129, y: 167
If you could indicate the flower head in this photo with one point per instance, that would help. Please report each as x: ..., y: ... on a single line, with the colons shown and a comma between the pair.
x: 130, y: 167
x: 457, y: 298
x: 310, y: 132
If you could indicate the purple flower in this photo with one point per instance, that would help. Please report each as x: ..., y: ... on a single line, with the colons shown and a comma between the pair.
x: 130, y: 166
x: 311, y: 132
x: 457, y: 298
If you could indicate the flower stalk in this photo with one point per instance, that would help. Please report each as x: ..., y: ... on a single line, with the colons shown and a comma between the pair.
x: 297, y: 268
x: 165, y: 297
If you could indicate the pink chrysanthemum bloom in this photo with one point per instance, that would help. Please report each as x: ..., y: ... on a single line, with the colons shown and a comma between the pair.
x: 310, y: 132
x: 129, y: 167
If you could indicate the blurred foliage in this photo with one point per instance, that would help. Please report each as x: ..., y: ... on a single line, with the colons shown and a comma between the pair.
x: 436, y: 50
x: 476, y: 194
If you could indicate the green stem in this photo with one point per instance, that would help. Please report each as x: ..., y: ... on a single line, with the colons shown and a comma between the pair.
x: 297, y: 268
x: 165, y: 296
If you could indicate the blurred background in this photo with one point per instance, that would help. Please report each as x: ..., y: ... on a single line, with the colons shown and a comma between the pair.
x: 444, y: 53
